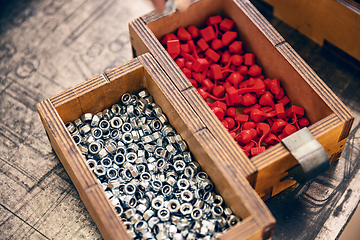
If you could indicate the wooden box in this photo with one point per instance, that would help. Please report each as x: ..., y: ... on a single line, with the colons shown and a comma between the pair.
x: 330, y: 119
x: 104, y: 90
x: 334, y: 21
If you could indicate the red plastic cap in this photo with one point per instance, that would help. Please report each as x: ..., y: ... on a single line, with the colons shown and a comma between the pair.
x: 214, y: 20
x: 183, y: 34
x: 235, y: 47
x: 194, y: 31
x: 212, y: 55
x: 168, y: 37
x: 228, y: 37
x: 208, y: 33
x: 226, y: 24
x: 249, y: 59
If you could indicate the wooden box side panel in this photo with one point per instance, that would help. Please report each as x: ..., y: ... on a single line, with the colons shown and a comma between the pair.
x: 64, y: 147
x: 103, y: 214
x: 272, y: 166
x: 316, y: 20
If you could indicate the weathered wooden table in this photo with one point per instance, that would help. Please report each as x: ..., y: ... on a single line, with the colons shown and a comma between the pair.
x: 48, y: 46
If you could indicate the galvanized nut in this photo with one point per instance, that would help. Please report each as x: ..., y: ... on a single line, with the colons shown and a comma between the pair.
x: 157, y: 203
x: 186, y: 208
x: 91, y: 163
x: 196, y: 214
x: 148, y: 214
x: 164, y: 214
x: 174, y: 206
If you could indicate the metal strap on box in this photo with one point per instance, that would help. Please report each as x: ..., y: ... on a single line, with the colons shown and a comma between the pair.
x: 310, y: 154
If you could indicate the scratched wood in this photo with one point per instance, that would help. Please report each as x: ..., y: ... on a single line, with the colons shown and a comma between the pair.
x: 278, y: 60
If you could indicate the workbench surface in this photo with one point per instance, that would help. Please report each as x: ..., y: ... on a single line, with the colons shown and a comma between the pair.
x: 48, y: 46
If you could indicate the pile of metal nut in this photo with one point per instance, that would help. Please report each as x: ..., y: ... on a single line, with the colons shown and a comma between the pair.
x: 148, y: 174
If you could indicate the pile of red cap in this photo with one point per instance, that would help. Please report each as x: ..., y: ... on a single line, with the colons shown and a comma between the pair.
x: 253, y: 108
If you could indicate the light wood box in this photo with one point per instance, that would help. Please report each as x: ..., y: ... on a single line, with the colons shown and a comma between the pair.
x: 330, y: 119
x: 334, y: 21
x: 101, y: 92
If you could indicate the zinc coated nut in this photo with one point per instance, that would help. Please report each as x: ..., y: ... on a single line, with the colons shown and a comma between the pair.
x: 187, y: 196
x: 112, y: 173
x: 136, y: 218
x: 131, y: 157
x: 119, y: 159
x: 141, y: 227
x: 218, y: 201
x: 95, y: 120
x: 127, y: 138
x: 148, y: 214
x: 86, y: 117
x: 163, y: 214
x: 99, y: 170
x: 77, y: 139
x: 157, y: 203
x: 186, y: 208
x: 70, y: 127
x: 126, y: 127
x: 130, y: 189
x: 174, y: 206
x: 217, y: 211
x: 104, y: 125
x: 106, y: 162
x: 96, y: 132
x: 77, y: 122
x: 91, y: 163
x: 119, y: 210
x: 196, y: 213
x: 233, y: 220
x: 129, y: 213
x: 153, y: 221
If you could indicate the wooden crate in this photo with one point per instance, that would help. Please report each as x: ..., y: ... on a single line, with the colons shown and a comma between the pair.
x: 101, y: 92
x: 336, y: 21
x: 330, y: 119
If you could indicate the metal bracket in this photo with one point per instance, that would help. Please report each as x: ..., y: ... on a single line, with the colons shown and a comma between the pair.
x: 310, y: 154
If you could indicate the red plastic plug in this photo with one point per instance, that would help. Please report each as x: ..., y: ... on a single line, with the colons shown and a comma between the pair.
x: 173, y: 48
x: 230, y: 112
x: 212, y: 55
x: 218, y: 112
x: 228, y: 37
x: 248, y: 99
x: 216, y: 44
x: 216, y: 71
x: 299, y: 111
x: 226, y: 24
x: 249, y: 59
x: 214, y: 20
x: 194, y: 31
x: 168, y: 37
x: 235, y: 47
x: 183, y: 34
x: 208, y: 33
x: 200, y: 65
x: 267, y: 100
x: 202, y: 44
x: 254, y: 70
x: 280, y: 110
x: 180, y: 62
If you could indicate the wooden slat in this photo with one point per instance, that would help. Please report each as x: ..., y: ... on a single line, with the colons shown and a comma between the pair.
x: 248, y: 229
x: 103, y: 214
x: 315, y: 82
x: 235, y: 180
x: 64, y: 147
x: 260, y: 22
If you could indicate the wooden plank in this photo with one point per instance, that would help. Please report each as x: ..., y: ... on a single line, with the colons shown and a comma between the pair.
x: 229, y: 182
x: 103, y: 214
x: 336, y: 21
x: 64, y: 146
